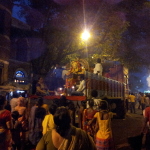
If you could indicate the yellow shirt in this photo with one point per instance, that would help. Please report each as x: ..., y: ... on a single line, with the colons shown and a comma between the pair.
x: 48, y: 123
x: 143, y: 99
x: 131, y: 98
x: 104, y: 131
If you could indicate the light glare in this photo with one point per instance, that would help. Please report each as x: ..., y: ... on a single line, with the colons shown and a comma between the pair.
x: 85, y: 35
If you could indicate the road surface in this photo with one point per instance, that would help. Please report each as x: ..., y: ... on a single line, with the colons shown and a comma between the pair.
x: 124, y: 128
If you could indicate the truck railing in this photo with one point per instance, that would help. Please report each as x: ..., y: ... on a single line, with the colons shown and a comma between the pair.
x: 104, y: 86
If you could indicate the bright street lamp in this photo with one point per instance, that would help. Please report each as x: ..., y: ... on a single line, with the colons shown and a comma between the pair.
x: 85, y: 35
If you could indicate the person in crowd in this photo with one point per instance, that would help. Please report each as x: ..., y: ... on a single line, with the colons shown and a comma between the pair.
x: 41, y: 88
x: 98, y: 67
x: 63, y: 101
x: 139, y: 97
x: 65, y: 72
x: 14, y: 101
x: 22, y: 110
x: 15, y: 131
x: 48, y: 122
x: 146, y: 126
x: 5, y: 125
x: 143, y: 103
x: 147, y: 100
x: 8, y: 106
x: 57, y: 73
x: 81, y: 91
x: 71, y: 107
x: 36, y: 118
x: 104, y: 138
x: 88, y: 115
x: 131, y: 98
x: 94, y: 95
x: 65, y: 136
x: 80, y: 114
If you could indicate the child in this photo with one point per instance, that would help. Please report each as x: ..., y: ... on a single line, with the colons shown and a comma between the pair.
x: 16, y: 129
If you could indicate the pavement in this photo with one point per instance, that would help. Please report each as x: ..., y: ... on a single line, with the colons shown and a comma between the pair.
x: 128, y: 127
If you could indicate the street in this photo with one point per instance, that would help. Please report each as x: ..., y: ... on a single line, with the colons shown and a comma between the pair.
x: 128, y: 127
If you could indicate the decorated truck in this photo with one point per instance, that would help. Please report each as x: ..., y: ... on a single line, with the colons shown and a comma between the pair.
x: 111, y: 86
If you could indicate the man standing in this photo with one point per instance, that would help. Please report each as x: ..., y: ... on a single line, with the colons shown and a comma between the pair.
x: 98, y: 67
x: 57, y: 72
x: 131, y: 98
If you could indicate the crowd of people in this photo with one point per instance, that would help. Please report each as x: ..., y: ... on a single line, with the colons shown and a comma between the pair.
x: 43, y: 127
x: 142, y: 99
x: 62, y: 125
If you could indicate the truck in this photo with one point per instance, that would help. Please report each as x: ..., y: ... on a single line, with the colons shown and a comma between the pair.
x: 113, y: 87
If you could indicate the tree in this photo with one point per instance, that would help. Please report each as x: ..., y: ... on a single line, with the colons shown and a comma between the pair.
x: 62, y: 32
x: 107, y: 23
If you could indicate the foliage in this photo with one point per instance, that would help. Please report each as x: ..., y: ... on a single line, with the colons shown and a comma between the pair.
x: 62, y: 33
x: 114, y: 29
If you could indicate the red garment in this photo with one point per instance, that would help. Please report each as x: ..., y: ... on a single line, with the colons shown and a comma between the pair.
x: 147, y: 113
x: 5, y: 135
x: 87, y: 116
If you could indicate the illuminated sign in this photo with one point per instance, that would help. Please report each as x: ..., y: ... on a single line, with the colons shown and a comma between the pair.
x: 20, y: 74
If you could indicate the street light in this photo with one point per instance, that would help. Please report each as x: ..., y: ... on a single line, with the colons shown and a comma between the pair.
x: 85, y: 35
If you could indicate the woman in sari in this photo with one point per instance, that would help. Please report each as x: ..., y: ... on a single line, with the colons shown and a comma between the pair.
x: 104, y: 139
x: 5, y: 125
x: 41, y: 88
x: 88, y: 115
x: 65, y: 136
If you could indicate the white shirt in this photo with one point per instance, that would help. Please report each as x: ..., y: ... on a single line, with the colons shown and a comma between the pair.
x: 82, y: 87
x: 13, y: 103
x: 64, y: 72
x: 96, y: 104
x: 98, y: 67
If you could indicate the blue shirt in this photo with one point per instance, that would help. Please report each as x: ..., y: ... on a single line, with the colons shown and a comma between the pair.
x: 58, y: 72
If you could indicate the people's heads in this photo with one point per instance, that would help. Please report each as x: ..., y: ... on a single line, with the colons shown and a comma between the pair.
x: 15, y: 115
x: 40, y: 101
x: 98, y: 60
x: 71, y: 106
x: 40, y: 79
x: 103, y: 105
x: 94, y: 93
x: 63, y: 100
x: 2, y: 100
x: 83, y: 104
x: 91, y: 102
x: 52, y: 108
x: 62, y: 120
x: 57, y: 65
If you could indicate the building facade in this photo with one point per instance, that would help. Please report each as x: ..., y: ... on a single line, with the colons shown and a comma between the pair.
x: 15, y: 69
